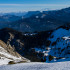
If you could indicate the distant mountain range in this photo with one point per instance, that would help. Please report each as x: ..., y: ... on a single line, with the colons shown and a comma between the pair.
x: 37, y: 35
x: 43, y: 21
x: 35, y: 20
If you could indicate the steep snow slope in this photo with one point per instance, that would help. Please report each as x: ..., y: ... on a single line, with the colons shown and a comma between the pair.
x: 8, y: 54
x: 5, y: 57
x: 38, y: 66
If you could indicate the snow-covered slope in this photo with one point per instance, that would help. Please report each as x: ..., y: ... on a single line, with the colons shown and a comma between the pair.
x: 38, y: 66
x: 8, y: 54
x: 5, y: 57
x: 58, y: 45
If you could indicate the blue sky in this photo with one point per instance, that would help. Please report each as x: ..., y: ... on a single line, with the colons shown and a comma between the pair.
x: 32, y: 5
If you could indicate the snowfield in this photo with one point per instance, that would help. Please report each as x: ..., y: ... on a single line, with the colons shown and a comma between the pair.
x: 38, y: 66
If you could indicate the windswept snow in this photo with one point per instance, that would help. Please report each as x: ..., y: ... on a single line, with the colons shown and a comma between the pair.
x: 38, y: 66
x: 4, y: 61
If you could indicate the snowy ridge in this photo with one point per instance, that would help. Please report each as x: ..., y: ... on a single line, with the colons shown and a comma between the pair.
x: 6, y: 57
x: 5, y: 53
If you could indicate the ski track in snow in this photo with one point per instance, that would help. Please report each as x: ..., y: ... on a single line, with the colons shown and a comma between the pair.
x: 38, y: 66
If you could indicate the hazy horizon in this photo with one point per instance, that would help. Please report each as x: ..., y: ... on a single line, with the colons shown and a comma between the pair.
x: 7, y: 6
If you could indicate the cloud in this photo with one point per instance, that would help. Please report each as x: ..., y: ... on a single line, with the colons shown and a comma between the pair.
x: 34, y: 5
x: 30, y: 7
x: 9, y: 4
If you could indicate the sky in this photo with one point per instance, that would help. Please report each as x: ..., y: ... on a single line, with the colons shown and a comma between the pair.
x: 32, y: 5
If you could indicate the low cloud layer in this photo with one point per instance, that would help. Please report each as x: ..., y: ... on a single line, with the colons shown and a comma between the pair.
x: 34, y: 5
x: 30, y: 7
